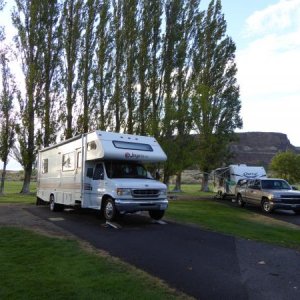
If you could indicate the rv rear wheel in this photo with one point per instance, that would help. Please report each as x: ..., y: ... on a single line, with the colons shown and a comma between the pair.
x: 109, y: 210
x: 55, y: 206
x: 156, y: 214
x: 240, y: 201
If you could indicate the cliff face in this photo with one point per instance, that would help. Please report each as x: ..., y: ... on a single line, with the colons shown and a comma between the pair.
x: 258, y: 148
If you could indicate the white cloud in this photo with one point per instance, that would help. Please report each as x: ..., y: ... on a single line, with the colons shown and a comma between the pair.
x: 269, y: 70
x: 280, y: 16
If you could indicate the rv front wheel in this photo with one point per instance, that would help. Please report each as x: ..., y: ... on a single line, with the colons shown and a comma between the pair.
x: 109, y: 210
x: 156, y: 214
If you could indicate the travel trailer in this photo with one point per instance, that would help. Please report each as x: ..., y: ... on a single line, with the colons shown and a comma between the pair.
x: 226, y: 179
x: 103, y: 171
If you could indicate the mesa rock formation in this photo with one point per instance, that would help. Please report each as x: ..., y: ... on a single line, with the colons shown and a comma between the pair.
x: 258, y: 148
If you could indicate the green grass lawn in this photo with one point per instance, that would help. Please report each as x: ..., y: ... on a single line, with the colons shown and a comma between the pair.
x: 12, y: 193
x: 38, y: 267
x: 191, y: 189
x: 220, y: 217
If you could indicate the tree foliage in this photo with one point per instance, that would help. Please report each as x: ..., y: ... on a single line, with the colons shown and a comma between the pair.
x: 7, y: 118
x: 286, y: 165
x: 215, y: 93
x: 163, y: 68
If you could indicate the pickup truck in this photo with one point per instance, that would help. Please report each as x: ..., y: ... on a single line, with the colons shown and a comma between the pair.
x: 269, y: 194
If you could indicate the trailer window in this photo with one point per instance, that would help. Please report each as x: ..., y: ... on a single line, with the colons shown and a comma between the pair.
x: 79, y: 159
x: 91, y: 146
x: 68, y: 162
x: 132, y: 146
x: 45, y: 166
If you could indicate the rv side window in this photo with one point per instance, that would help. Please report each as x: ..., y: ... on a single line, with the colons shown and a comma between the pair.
x: 45, y: 166
x: 91, y: 145
x: 132, y: 146
x: 89, y: 173
x: 79, y: 159
x: 68, y: 163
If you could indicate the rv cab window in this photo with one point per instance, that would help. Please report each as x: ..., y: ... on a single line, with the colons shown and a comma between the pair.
x: 118, y: 169
x: 99, y: 172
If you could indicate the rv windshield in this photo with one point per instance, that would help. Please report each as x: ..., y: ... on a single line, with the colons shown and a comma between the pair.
x: 120, y: 169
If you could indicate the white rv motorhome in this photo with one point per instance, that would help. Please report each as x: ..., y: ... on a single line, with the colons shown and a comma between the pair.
x: 225, y: 179
x: 103, y: 171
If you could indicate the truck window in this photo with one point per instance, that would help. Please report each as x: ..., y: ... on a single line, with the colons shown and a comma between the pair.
x: 99, y: 172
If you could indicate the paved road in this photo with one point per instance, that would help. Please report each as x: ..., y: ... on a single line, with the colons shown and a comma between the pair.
x: 203, y: 264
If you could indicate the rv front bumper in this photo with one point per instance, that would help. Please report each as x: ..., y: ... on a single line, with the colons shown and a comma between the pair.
x: 140, y: 205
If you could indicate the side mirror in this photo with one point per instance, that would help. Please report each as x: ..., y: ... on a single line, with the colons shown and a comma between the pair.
x: 157, y: 175
x: 294, y: 188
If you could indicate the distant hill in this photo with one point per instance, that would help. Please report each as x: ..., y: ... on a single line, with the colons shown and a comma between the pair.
x: 258, y: 148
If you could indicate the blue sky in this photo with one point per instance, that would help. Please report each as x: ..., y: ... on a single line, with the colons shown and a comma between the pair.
x: 267, y: 37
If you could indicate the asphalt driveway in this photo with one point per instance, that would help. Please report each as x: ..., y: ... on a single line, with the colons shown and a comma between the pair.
x: 201, y: 263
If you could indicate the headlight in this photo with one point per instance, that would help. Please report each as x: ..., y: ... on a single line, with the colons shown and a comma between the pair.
x: 123, y: 192
x: 271, y: 197
x: 163, y: 192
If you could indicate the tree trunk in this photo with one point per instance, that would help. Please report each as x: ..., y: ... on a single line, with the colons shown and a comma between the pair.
x: 204, y: 187
x: 3, y: 178
x: 27, y: 178
x: 177, y: 187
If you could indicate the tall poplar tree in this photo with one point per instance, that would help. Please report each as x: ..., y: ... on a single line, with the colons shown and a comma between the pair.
x: 103, y: 69
x: 215, y: 96
x: 50, y: 82
x: 85, y: 71
x: 130, y: 55
x: 155, y: 67
x: 7, y: 120
x: 27, y: 20
x: 72, y: 26
x: 116, y: 106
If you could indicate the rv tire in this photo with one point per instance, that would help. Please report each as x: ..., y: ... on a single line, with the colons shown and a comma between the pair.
x: 109, y: 210
x: 39, y: 201
x: 156, y: 214
x: 55, y: 206
x: 240, y: 201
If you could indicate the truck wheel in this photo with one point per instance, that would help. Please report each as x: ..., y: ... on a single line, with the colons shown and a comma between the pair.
x: 109, y: 210
x: 266, y: 206
x: 156, y: 214
x: 240, y: 201
x: 55, y: 206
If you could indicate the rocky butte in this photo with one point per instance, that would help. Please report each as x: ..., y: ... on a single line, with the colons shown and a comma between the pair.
x: 258, y: 148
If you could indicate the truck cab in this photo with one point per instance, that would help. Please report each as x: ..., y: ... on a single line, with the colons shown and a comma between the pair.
x: 118, y: 187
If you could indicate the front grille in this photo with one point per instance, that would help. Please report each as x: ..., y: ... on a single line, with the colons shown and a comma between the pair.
x: 290, y: 199
x: 145, y: 193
